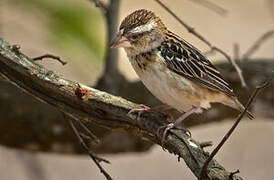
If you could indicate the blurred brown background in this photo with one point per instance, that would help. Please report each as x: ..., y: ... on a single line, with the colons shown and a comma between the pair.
x: 76, y: 31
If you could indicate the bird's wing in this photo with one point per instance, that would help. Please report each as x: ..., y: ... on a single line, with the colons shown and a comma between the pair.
x: 185, y: 60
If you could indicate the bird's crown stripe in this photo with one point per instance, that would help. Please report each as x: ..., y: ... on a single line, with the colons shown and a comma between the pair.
x: 144, y: 28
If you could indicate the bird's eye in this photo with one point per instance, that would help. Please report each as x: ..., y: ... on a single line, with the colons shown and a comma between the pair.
x: 134, y: 36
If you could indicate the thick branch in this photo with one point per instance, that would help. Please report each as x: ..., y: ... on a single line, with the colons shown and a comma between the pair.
x: 101, y: 108
x: 41, y: 136
x: 111, y: 75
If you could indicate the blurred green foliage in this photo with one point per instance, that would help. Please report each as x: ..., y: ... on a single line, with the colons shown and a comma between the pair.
x: 73, y: 25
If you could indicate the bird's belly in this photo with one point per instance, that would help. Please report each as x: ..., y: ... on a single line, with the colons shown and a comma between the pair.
x: 169, y: 87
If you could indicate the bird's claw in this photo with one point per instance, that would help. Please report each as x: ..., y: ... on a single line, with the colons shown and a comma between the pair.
x: 143, y: 108
x: 166, y: 129
x: 139, y: 109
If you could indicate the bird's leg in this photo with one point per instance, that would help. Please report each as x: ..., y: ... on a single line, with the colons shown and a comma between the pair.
x: 158, y: 109
x: 161, y: 108
x: 139, y: 109
x: 176, y: 123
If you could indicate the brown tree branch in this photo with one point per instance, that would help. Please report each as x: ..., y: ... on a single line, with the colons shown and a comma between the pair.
x: 100, y: 5
x: 57, y: 58
x: 203, y: 39
x: 111, y: 77
x: 111, y: 59
x: 236, y: 52
x: 101, y: 109
x: 29, y: 138
x: 111, y: 14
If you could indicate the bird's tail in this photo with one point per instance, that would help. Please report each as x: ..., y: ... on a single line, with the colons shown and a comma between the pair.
x: 237, y: 105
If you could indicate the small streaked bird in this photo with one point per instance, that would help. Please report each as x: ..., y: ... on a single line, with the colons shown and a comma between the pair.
x: 172, y: 69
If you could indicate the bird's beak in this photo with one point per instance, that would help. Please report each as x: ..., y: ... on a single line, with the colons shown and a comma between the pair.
x: 120, y: 42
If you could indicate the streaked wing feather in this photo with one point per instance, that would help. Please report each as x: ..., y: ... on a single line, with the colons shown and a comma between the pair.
x: 185, y: 60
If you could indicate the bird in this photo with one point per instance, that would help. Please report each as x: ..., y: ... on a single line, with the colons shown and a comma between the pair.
x: 172, y: 69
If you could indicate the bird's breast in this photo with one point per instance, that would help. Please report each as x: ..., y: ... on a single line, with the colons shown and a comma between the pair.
x: 166, y: 85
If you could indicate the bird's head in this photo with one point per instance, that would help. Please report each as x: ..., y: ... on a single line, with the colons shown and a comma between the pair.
x: 140, y: 32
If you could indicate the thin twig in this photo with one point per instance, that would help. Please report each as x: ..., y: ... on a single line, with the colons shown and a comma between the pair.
x: 206, y: 144
x: 234, y: 64
x: 225, y: 138
x: 233, y: 173
x: 100, y: 5
x: 95, y: 158
x: 3, y: 78
x: 236, y: 51
x: 240, y: 72
x: 257, y: 44
x: 40, y: 58
x: 91, y: 136
x: 189, y: 28
x: 209, y: 53
x: 212, y: 6
x: 199, y: 36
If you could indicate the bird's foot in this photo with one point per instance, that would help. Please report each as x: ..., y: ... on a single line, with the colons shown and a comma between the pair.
x: 176, y: 124
x: 159, y: 109
x: 167, y: 128
x: 140, y: 109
